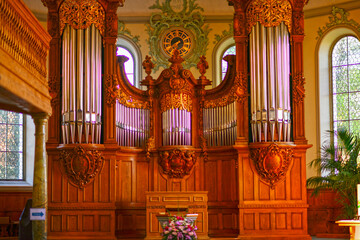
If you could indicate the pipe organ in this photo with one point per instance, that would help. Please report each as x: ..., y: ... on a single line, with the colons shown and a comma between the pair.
x: 110, y: 143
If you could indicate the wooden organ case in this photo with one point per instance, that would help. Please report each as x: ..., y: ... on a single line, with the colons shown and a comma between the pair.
x: 110, y: 143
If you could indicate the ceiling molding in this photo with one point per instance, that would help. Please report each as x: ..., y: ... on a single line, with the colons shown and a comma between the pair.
x: 316, y: 12
x: 208, y: 19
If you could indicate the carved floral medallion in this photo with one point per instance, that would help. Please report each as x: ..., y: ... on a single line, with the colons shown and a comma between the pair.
x: 81, y: 166
x: 177, y: 163
x: 272, y: 162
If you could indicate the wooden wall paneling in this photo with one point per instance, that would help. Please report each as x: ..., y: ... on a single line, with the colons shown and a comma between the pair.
x: 13, y: 203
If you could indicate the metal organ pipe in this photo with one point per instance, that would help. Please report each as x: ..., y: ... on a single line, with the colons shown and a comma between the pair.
x: 81, y: 85
x: 176, y: 127
x: 220, y: 125
x: 270, y: 83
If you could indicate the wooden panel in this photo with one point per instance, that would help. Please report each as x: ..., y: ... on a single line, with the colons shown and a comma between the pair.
x: 104, y: 182
x: 265, y: 223
x: 248, y: 181
x: 13, y: 203
x: 140, y: 221
x: 88, y: 223
x: 190, y: 182
x: 249, y: 221
x: 56, y: 223
x: 175, y: 186
x: 56, y: 182
x: 89, y: 193
x: 126, y: 183
x: 226, y: 180
x: 280, y: 221
x: 72, y: 193
x: 211, y: 180
x: 105, y: 223
x: 142, y: 181
x: 213, y: 221
x: 264, y: 191
x: 72, y: 223
x: 295, y: 179
x: 280, y: 191
x: 296, y: 220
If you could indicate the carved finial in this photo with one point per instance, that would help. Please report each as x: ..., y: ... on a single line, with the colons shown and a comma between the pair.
x: 148, y: 65
x: 176, y: 58
x: 202, y: 66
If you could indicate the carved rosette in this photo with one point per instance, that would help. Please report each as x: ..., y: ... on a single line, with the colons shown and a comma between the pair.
x: 177, y: 163
x: 270, y: 13
x: 80, y: 165
x: 81, y: 14
x: 298, y: 88
x: 272, y: 162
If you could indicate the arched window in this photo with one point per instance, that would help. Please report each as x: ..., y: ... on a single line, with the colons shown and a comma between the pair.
x: 129, y: 65
x: 11, y: 146
x: 126, y: 47
x: 346, y: 84
x: 224, y: 65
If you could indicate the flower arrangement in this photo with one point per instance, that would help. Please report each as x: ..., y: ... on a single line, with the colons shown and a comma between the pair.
x: 179, y: 228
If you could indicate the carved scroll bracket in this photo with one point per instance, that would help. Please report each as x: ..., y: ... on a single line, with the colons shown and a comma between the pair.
x: 177, y: 163
x: 81, y: 165
x: 271, y: 162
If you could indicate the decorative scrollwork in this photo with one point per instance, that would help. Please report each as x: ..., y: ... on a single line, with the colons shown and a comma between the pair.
x: 81, y: 14
x: 81, y: 166
x: 270, y: 13
x: 111, y: 89
x: 298, y: 88
x: 238, y: 92
x: 54, y: 90
x: 298, y: 23
x: 181, y: 101
x: 272, y: 162
x: 177, y: 163
x: 130, y: 102
x: 339, y: 17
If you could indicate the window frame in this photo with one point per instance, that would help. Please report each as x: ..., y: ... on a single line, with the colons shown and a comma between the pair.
x: 125, y: 42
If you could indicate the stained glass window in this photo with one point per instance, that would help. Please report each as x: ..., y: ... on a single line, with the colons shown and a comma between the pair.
x: 129, y: 65
x: 346, y: 84
x: 11, y: 146
x: 230, y: 51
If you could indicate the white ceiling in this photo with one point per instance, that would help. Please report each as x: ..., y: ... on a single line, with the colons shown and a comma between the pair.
x: 211, y: 7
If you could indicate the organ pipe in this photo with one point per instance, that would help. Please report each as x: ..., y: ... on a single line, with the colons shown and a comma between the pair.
x: 220, y: 125
x: 270, y: 83
x: 81, y: 85
x: 132, y: 125
x: 176, y: 127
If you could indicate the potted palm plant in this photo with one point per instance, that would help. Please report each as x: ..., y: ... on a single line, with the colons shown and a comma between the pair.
x: 340, y: 170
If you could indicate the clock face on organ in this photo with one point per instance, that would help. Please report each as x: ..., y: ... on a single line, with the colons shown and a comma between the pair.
x: 177, y: 39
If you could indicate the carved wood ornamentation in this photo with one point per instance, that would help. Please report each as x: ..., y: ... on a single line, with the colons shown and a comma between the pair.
x: 81, y: 14
x: 111, y: 88
x: 272, y: 162
x: 298, y: 88
x: 270, y: 13
x: 177, y: 163
x: 54, y: 90
x: 81, y: 165
x: 298, y: 23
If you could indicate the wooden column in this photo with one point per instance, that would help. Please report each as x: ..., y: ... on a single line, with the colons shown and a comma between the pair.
x: 297, y: 73
x: 39, y: 196
x: 240, y: 36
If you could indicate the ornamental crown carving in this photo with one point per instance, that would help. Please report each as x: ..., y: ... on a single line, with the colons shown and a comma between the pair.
x: 80, y: 165
x: 81, y: 14
x: 272, y: 162
x: 177, y: 163
x: 270, y: 13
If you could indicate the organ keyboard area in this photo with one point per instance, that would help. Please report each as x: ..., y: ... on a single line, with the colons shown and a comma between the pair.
x: 175, y: 117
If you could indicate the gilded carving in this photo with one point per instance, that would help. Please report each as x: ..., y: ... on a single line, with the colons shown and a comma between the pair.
x: 270, y: 13
x: 111, y: 89
x: 272, y: 162
x: 177, y: 163
x: 81, y: 14
x: 298, y: 24
x: 81, y: 166
x: 148, y: 65
x: 130, y: 102
x: 298, y: 88
x: 202, y: 66
x: 238, y: 92
x: 181, y: 101
x: 111, y: 25
x: 338, y: 16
